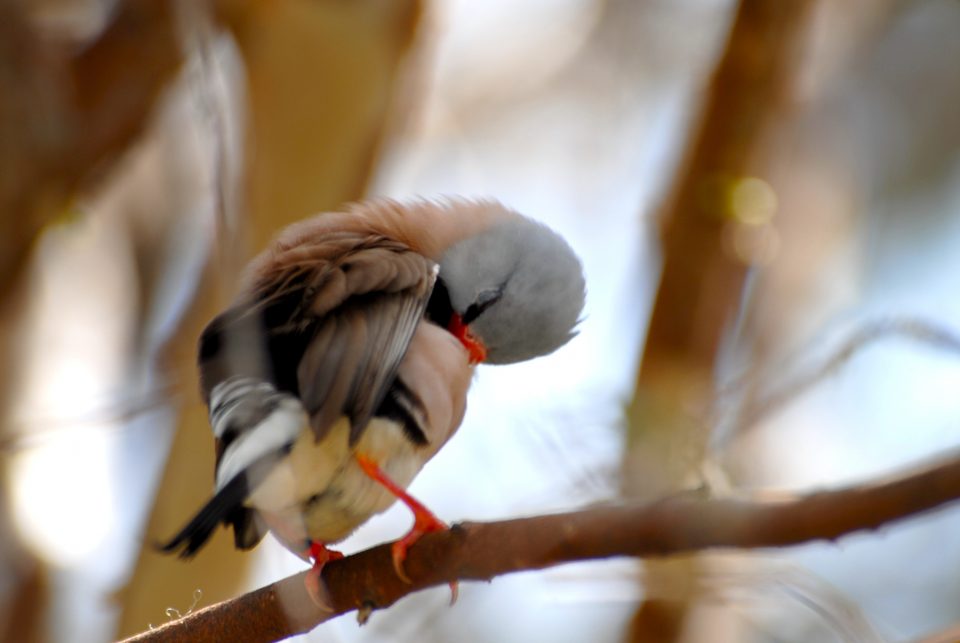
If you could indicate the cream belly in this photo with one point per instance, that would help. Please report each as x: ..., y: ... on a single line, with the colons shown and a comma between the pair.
x: 319, y: 492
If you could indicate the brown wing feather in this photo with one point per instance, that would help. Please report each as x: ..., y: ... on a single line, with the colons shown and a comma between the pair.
x: 329, y: 319
x: 358, y: 299
x: 354, y: 355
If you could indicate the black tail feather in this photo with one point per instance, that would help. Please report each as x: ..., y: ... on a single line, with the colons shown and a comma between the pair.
x: 248, y: 528
x: 218, y: 510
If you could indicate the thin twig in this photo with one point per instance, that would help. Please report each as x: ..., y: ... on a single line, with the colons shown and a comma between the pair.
x: 787, y: 389
x: 34, y: 431
x: 482, y: 551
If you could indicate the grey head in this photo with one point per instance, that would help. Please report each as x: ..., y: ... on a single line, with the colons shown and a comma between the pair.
x: 518, y: 287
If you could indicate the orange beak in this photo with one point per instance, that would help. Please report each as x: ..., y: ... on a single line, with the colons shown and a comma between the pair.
x: 475, y: 348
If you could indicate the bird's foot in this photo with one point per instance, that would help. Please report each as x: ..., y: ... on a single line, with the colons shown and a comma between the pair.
x: 315, y: 589
x: 424, y: 521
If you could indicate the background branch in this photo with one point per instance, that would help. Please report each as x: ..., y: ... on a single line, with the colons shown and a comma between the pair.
x: 786, y: 388
x: 481, y: 551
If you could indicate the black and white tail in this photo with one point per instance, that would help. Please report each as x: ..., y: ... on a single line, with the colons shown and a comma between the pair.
x: 255, y: 426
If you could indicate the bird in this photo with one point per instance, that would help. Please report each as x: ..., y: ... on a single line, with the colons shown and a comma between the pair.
x: 342, y: 366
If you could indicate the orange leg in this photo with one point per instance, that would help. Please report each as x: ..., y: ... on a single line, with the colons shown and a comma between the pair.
x: 321, y: 556
x: 424, y: 522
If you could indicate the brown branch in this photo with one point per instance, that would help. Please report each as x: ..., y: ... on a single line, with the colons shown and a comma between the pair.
x: 481, y: 551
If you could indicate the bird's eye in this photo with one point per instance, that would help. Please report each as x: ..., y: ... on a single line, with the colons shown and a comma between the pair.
x: 484, y: 300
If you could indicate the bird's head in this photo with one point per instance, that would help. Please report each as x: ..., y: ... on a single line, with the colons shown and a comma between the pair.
x: 516, y: 290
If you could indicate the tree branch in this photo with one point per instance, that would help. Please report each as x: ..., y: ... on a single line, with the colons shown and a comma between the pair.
x: 790, y: 387
x: 482, y: 551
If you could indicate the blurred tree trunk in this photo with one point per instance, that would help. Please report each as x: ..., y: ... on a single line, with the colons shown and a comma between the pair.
x: 64, y: 119
x: 713, y: 222
x: 822, y: 188
x: 322, y: 81
x: 66, y: 113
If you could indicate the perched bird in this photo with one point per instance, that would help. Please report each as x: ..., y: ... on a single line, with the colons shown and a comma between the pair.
x: 343, y: 365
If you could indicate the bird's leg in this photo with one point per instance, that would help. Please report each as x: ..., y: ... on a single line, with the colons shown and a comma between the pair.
x: 424, y: 522
x: 320, y: 555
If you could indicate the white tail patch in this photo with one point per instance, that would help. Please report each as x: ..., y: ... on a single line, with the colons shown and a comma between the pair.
x: 262, y: 419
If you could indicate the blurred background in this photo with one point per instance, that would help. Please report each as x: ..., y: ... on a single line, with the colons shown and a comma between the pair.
x: 764, y: 198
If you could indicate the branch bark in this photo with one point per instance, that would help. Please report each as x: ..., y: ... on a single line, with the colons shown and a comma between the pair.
x: 482, y: 551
